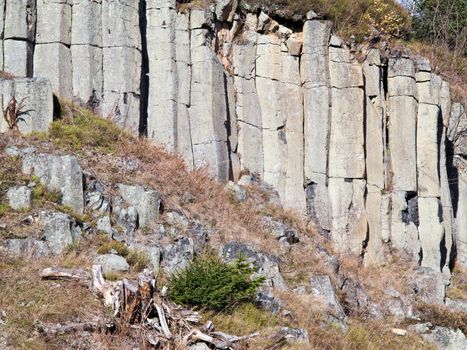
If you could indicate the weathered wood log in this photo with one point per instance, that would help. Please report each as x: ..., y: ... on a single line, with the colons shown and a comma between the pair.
x: 61, y: 273
x: 163, y: 321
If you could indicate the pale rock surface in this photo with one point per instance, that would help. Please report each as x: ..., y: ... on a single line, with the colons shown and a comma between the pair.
x: 19, y: 197
x: 146, y: 201
x: 18, y: 57
x: 112, y: 263
x: 322, y: 288
x: 431, y: 231
x: 60, y: 231
x: 61, y: 173
x: 36, y: 95
x: 53, y: 61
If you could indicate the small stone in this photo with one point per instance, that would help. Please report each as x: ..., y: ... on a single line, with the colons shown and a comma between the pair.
x: 19, y: 197
x: 112, y: 263
x: 311, y: 15
x: 399, y: 332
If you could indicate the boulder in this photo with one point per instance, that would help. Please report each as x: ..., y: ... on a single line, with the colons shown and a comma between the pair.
x: 294, y: 335
x: 60, y: 173
x: 177, y: 255
x: 265, y: 265
x: 280, y: 231
x: 428, y: 286
x: 19, y: 197
x: 112, y: 263
x: 146, y: 202
x: 322, y: 288
x: 152, y: 251
x: 26, y: 248
x: 60, y: 231
x: 446, y: 338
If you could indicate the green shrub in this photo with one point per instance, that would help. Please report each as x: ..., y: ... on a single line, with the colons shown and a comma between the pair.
x: 212, y: 284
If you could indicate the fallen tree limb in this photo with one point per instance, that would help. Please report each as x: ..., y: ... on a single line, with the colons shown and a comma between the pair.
x: 61, y: 273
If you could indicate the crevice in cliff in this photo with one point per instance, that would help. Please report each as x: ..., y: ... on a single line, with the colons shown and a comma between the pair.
x: 144, y: 79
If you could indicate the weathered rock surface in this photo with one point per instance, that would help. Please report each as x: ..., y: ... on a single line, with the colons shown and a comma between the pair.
x: 371, y: 151
x: 322, y: 288
x: 267, y: 266
x: 112, y: 263
x: 146, y: 202
x: 36, y: 101
x: 19, y: 197
x: 59, y: 173
x: 60, y: 231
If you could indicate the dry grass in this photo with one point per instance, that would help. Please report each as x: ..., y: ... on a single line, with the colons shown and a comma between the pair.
x: 451, y: 67
x: 458, y: 287
x: 27, y: 299
x: 441, y: 316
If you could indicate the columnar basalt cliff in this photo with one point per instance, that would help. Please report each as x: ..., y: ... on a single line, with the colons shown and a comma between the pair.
x: 373, y: 150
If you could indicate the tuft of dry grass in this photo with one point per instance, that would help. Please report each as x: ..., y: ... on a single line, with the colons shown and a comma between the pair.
x: 441, y: 316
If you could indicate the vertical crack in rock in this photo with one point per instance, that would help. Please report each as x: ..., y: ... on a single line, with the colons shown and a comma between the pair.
x: 144, y: 79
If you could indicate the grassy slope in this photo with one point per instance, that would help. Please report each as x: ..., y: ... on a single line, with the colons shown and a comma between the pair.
x: 100, y: 146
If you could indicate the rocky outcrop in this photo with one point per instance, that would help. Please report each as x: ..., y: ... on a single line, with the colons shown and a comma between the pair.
x: 372, y: 150
x: 30, y: 101
x: 59, y: 173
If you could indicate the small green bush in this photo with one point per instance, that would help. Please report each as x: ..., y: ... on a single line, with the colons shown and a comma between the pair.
x: 212, y: 284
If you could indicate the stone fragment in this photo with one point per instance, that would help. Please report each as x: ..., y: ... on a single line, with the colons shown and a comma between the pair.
x: 85, y: 29
x: 294, y: 44
x: 280, y: 231
x: 177, y: 256
x: 36, y: 96
x: 346, y: 150
x: 87, y: 74
x: 428, y: 285
x: 402, y: 116
x: 19, y: 197
x: 20, y: 19
x: 427, y: 150
x: 248, y: 111
x: 349, y: 220
x: 112, y: 263
x: 153, y: 253
x: 146, y: 201
x: 208, y: 109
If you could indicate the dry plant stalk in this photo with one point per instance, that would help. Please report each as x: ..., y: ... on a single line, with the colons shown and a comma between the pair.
x: 14, y: 112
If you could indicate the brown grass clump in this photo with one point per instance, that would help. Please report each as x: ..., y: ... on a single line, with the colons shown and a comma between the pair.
x: 441, y: 316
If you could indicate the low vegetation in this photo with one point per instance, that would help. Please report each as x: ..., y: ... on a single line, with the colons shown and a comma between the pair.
x: 80, y: 128
x: 212, y: 284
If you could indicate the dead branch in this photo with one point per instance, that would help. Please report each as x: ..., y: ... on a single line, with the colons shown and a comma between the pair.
x: 60, y: 273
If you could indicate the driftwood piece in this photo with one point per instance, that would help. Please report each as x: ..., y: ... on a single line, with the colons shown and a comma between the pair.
x: 61, y: 273
x: 163, y: 321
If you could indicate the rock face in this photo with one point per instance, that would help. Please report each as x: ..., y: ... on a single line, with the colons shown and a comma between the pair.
x: 36, y: 101
x: 19, y: 197
x: 373, y: 152
x: 59, y: 173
